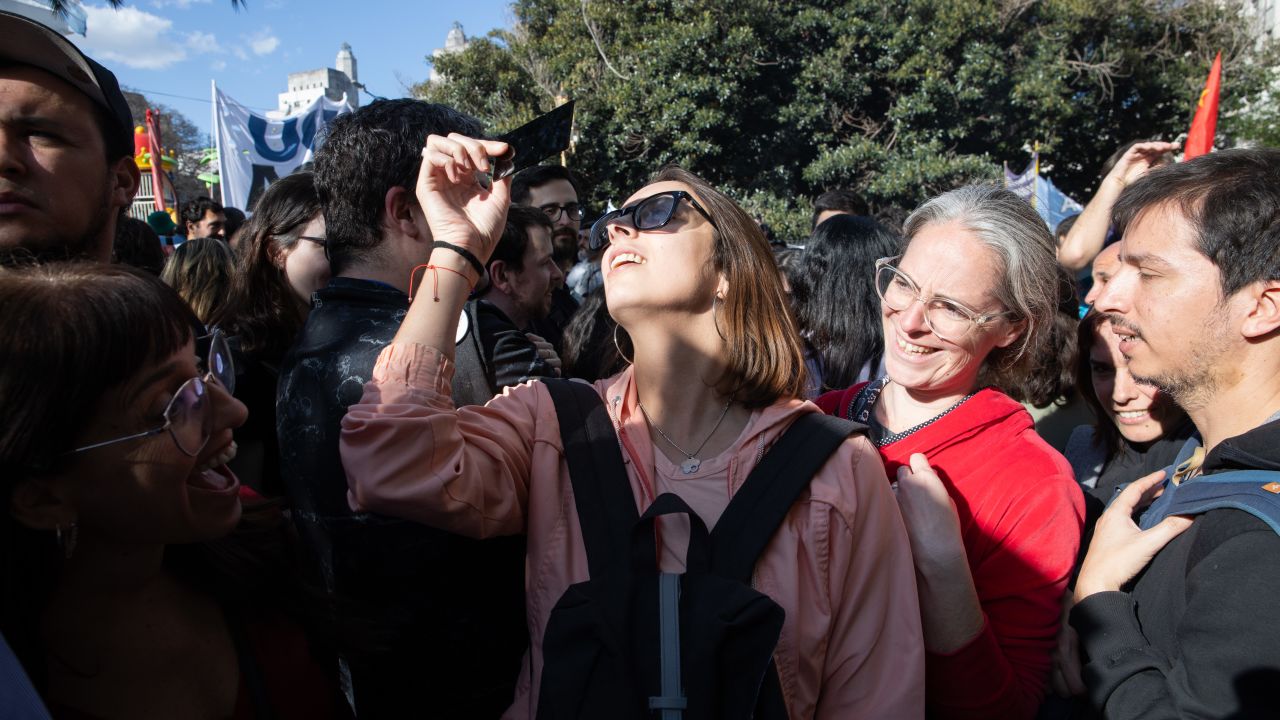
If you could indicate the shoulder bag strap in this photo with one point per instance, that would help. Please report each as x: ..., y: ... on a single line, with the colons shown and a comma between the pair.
x: 760, y: 505
x: 765, y: 498
x: 601, y: 490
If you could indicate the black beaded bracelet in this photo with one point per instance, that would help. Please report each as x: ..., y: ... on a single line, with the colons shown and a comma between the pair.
x: 466, y: 255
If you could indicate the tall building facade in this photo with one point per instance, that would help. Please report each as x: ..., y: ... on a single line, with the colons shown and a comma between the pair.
x: 306, y: 86
x: 454, y: 42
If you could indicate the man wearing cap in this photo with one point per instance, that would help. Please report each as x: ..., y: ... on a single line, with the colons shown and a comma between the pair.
x: 66, y: 150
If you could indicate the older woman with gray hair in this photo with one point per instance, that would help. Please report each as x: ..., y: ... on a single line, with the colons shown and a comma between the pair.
x: 992, y: 512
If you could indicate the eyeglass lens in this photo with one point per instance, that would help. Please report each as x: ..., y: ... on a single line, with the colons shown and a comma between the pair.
x: 219, y: 362
x: 190, y: 416
x: 573, y: 210
x: 947, y: 320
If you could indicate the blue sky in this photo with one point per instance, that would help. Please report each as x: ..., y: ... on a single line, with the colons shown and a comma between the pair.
x: 176, y: 47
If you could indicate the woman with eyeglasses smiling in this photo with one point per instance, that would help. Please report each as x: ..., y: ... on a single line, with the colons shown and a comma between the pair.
x: 715, y: 373
x: 124, y: 593
x: 992, y: 511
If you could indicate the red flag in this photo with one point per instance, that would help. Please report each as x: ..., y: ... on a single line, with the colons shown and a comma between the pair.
x: 1200, y: 137
x: 157, y: 172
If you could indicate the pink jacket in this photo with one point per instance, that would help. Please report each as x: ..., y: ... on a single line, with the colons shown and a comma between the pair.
x: 840, y: 565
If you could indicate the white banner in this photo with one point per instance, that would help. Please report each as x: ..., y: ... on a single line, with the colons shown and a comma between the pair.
x: 255, y: 151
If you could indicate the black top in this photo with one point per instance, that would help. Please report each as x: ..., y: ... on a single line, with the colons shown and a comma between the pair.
x: 257, y: 460
x: 492, y: 355
x: 1194, y: 635
x: 426, y: 620
x: 1132, y: 462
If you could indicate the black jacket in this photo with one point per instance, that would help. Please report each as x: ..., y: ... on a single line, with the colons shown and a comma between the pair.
x: 492, y: 354
x: 429, y: 623
x: 1197, y: 633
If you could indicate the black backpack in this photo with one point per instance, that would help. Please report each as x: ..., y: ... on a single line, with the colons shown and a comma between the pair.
x: 633, y: 641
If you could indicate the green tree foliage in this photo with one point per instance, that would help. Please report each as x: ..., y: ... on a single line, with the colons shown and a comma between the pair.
x: 780, y: 100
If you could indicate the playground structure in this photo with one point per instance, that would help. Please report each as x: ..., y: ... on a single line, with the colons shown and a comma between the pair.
x: 156, y: 191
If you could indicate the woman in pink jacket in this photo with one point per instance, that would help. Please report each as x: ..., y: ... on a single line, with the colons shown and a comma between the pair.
x: 716, y: 369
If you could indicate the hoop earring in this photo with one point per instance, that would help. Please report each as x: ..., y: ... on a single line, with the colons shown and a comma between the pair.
x: 715, y: 315
x: 67, y: 543
x: 621, y: 354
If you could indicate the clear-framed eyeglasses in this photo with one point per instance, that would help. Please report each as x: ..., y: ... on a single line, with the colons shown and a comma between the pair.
x: 948, y: 319
x: 188, y: 417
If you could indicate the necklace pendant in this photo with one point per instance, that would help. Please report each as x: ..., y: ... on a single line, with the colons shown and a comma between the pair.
x: 690, y: 466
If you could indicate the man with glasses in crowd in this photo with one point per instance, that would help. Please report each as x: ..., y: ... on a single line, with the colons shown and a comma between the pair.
x: 495, y: 352
x: 555, y: 190
x: 66, y: 148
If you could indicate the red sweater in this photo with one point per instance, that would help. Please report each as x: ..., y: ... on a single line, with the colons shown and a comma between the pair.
x: 1021, y: 513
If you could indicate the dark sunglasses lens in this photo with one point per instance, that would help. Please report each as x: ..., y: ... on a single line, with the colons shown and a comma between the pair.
x: 600, y: 230
x: 191, y: 416
x: 655, y: 212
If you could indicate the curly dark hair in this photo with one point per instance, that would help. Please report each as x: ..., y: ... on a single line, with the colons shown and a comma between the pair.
x: 193, y: 211
x: 366, y: 153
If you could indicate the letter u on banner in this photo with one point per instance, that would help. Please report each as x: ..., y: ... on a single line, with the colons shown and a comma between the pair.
x: 254, y: 149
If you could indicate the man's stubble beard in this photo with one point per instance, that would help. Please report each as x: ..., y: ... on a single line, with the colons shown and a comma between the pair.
x: 90, y: 243
x: 1204, y: 371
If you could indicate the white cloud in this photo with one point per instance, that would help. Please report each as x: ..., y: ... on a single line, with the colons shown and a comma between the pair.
x: 131, y: 37
x: 263, y: 42
x: 180, y: 4
x: 203, y: 42
x: 218, y: 65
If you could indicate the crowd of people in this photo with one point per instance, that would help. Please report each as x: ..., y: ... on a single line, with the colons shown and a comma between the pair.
x: 409, y: 442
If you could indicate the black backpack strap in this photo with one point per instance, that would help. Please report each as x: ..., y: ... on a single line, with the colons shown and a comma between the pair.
x: 760, y: 506
x: 768, y: 493
x: 601, y: 490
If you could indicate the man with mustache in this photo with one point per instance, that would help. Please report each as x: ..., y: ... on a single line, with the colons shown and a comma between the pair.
x: 1175, y: 612
x: 495, y: 351
x: 66, y: 148
x: 554, y: 190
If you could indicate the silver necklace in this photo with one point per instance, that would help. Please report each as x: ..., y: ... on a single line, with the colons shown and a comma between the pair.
x: 691, y: 462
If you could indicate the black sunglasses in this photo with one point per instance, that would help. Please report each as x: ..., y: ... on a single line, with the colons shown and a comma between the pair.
x: 650, y: 213
x: 553, y: 211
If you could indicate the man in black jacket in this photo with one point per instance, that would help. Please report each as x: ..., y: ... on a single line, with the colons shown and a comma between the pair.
x: 427, y: 623
x: 495, y: 350
x: 1179, y: 620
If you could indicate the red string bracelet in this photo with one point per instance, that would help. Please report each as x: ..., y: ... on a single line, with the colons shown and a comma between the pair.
x: 435, y: 280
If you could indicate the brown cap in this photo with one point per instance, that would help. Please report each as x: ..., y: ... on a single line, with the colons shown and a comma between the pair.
x: 30, y: 43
